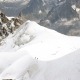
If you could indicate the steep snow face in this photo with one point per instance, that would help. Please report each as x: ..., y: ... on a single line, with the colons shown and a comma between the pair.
x: 48, y: 43
x: 39, y: 54
x: 40, y: 42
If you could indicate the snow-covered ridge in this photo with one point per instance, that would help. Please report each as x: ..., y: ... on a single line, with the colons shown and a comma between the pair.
x: 49, y: 41
x: 37, y: 54
x: 31, y: 36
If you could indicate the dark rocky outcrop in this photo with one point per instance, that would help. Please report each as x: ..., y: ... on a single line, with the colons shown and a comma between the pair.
x: 34, y: 10
x: 8, y: 26
x: 63, y: 10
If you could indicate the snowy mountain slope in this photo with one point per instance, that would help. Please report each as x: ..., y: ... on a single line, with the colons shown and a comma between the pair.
x: 31, y: 34
x: 48, y: 41
x: 6, y: 59
x: 40, y: 53
x: 22, y: 62
x: 67, y: 67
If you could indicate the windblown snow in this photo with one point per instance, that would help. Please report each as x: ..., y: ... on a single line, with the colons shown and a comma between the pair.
x: 34, y: 52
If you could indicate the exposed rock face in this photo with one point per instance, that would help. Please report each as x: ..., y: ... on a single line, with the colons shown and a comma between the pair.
x: 8, y: 26
x: 63, y: 10
x: 50, y: 9
x: 34, y: 10
x: 33, y: 6
x: 3, y: 17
